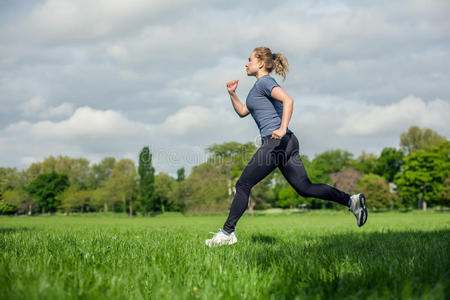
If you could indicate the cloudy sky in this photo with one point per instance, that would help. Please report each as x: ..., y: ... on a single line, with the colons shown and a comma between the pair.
x: 105, y: 78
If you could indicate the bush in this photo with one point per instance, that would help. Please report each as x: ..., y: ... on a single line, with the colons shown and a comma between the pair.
x: 6, y: 208
x: 376, y: 190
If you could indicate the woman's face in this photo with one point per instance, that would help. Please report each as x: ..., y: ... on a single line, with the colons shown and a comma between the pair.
x: 253, y: 65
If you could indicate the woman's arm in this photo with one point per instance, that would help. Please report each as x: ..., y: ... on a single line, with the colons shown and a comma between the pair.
x: 288, y: 106
x: 240, y: 108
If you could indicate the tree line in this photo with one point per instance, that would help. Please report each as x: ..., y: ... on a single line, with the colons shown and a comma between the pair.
x: 415, y: 175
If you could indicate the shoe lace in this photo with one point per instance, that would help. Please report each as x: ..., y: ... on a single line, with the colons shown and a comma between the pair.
x: 216, y: 235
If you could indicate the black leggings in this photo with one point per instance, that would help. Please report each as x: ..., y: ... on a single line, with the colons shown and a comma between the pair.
x: 284, y: 154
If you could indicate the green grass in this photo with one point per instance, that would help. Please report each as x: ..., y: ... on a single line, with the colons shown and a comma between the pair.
x: 310, y: 255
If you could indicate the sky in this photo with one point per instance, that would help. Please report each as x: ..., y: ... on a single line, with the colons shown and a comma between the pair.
x: 105, y: 78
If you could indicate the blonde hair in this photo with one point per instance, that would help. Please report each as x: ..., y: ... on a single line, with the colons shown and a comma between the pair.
x: 273, y: 61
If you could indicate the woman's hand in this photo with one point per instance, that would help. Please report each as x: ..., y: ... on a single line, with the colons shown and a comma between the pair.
x: 232, y: 86
x: 279, y: 133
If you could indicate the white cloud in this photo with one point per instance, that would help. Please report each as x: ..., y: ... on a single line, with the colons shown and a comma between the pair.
x: 398, y: 116
x: 190, y: 119
x: 37, y: 107
x: 18, y: 127
x: 86, y: 123
x: 32, y: 106
x: 65, y: 109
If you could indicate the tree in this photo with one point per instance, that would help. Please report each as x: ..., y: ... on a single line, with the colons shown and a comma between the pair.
x: 6, y: 208
x: 180, y: 174
x: 287, y: 197
x: 163, y: 187
x: 328, y: 162
x: 389, y: 163
x: 100, y: 172
x: 146, y: 182
x: 20, y: 200
x: 232, y: 157
x: 103, y: 197
x: 365, y: 163
x: 12, y: 186
x: 416, y: 139
x: 423, y: 175
x: 122, y: 182
x: 376, y: 189
x: 206, y: 189
x: 11, y: 179
x: 318, y: 171
x: 77, y: 169
x: 33, y: 171
x: 445, y: 193
x: 72, y: 199
x: 179, y: 194
x: 46, y: 187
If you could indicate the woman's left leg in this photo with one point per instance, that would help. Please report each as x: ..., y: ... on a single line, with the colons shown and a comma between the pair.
x: 263, y: 162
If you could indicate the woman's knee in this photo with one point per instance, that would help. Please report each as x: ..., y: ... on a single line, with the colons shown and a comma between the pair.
x: 303, y: 188
x: 243, y: 184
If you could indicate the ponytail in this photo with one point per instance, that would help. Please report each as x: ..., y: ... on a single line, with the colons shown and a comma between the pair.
x: 281, y: 65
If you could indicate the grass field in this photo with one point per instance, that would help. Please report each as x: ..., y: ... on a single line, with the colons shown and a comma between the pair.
x: 310, y: 255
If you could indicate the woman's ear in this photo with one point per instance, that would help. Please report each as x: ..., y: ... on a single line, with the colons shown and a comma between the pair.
x: 260, y: 64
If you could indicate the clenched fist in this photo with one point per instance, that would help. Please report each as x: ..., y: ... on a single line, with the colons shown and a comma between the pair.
x: 232, y: 85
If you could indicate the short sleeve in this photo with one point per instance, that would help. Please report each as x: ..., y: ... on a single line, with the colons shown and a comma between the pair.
x: 266, y: 84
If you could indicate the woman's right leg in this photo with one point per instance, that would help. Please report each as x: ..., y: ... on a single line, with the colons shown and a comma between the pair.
x: 260, y: 165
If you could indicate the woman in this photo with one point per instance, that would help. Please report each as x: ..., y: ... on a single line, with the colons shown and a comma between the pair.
x: 271, y: 107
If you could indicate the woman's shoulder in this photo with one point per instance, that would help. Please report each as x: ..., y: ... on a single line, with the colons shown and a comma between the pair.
x: 265, y: 84
x: 265, y: 79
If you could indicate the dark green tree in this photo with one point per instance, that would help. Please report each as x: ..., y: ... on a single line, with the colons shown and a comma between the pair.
x: 147, y: 182
x: 180, y: 174
x: 46, y: 187
x: 423, y: 175
x: 445, y: 193
x: 389, y: 163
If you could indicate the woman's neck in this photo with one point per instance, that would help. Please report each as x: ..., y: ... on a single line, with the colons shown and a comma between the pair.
x: 261, y: 74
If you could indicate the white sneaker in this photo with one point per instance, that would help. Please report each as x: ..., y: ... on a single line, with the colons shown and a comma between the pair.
x: 358, y: 208
x: 221, y: 238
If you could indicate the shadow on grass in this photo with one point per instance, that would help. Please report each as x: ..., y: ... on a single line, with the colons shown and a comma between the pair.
x: 7, y: 230
x: 263, y: 239
x: 388, y: 264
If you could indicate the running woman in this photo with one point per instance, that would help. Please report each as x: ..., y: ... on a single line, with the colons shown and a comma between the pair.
x: 271, y: 108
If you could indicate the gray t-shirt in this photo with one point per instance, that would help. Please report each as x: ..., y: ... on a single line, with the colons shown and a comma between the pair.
x: 266, y: 111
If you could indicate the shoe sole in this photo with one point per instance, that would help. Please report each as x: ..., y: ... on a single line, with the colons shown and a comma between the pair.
x: 213, y: 245
x: 362, y: 203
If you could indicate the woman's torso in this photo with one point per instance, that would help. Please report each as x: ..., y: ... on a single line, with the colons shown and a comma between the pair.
x: 265, y: 110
